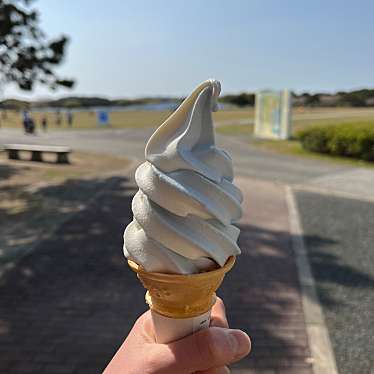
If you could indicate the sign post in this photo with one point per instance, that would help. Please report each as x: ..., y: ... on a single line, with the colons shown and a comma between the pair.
x: 273, y: 115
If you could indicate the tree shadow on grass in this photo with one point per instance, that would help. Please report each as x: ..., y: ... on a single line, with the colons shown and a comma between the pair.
x: 69, y: 304
x: 7, y: 171
x: 35, y: 210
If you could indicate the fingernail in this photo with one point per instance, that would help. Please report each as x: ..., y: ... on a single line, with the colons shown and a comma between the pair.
x: 222, y: 370
x: 239, y: 343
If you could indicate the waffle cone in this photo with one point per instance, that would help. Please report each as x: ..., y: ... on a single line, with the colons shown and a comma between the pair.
x: 181, y: 296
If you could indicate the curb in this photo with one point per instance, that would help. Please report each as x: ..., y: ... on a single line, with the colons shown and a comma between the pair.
x: 318, y: 336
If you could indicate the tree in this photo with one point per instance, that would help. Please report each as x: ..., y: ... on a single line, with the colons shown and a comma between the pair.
x: 27, y: 56
x: 312, y: 100
x: 241, y: 100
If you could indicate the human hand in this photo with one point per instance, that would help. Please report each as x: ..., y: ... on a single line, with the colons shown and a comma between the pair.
x: 205, y: 352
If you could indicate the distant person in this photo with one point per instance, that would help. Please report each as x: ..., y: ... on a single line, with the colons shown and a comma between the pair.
x: 58, y: 118
x: 25, y: 121
x: 44, y: 123
x: 31, y: 126
x: 69, y: 118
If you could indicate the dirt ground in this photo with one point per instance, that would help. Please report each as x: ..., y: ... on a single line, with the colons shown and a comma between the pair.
x: 36, y: 197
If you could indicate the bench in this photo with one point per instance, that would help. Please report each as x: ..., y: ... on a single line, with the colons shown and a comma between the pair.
x: 61, y: 152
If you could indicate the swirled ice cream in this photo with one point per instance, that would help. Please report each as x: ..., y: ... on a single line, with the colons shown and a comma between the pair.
x: 187, y: 203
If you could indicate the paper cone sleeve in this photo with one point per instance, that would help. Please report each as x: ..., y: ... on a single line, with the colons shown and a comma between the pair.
x: 179, y: 295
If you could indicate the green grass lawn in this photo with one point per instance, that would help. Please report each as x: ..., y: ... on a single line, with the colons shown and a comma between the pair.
x: 299, y: 125
x: 235, y: 130
x: 87, y: 120
x: 131, y: 119
x: 294, y: 148
x: 141, y: 119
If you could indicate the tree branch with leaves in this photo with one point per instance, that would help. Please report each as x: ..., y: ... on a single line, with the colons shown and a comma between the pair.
x: 27, y: 56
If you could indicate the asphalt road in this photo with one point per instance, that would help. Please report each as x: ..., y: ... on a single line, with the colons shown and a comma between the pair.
x: 339, y: 237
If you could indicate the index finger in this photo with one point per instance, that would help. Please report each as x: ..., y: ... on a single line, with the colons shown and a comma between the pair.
x: 218, y: 315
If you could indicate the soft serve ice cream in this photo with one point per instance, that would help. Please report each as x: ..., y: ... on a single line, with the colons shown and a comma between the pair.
x: 187, y: 203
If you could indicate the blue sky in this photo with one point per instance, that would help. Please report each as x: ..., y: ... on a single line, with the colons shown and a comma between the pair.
x: 123, y: 48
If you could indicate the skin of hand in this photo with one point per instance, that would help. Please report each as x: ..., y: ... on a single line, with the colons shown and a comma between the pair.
x: 206, y: 352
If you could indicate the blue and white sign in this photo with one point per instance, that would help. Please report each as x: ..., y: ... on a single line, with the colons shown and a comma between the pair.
x: 102, y: 117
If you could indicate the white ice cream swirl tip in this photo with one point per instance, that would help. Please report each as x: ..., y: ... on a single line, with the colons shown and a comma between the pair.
x: 187, y: 202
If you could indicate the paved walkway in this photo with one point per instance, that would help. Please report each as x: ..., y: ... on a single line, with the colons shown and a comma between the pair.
x: 248, y: 161
x: 263, y: 293
x: 67, y: 306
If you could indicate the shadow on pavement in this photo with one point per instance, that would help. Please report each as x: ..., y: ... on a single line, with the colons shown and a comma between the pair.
x: 328, y: 269
x: 262, y: 296
x: 29, y: 213
x: 67, y: 306
x: 344, y: 274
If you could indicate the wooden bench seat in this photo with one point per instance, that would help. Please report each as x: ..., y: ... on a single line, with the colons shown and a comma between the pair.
x: 37, y: 151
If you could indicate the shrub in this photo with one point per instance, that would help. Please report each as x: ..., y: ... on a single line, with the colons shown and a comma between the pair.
x: 348, y: 139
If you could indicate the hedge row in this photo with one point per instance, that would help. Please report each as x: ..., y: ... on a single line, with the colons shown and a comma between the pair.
x: 348, y: 139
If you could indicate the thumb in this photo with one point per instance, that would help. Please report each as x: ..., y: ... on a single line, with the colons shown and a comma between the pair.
x: 208, y: 348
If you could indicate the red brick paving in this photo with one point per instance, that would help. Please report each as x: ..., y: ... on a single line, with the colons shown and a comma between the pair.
x: 66, y: 307
x: 262, y: 292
